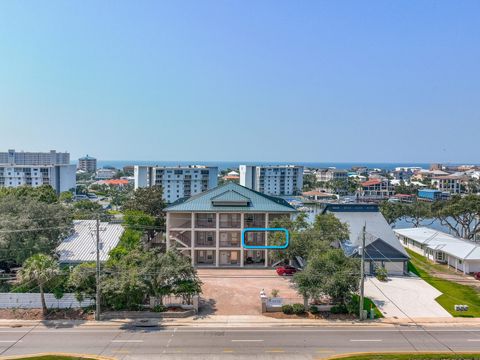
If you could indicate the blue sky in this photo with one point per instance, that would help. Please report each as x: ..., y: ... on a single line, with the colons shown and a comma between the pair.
x: 371, y: 81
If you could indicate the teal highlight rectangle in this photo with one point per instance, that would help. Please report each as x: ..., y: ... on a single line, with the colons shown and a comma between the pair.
x: 261, y: 247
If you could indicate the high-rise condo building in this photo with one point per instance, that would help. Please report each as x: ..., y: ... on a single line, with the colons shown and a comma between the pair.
x: 87, y: 164
x: 177, y: 182
x: 276, y: 180
x: 36, y: 169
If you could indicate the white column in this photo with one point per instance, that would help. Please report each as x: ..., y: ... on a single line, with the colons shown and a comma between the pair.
x: 192, y: 237
x: 456, y: 264
x: 217, y: 240
x: 266, y: 239
x: 242, y: 219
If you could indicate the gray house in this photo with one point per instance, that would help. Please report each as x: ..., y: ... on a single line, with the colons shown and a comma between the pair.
x: 382, y: 247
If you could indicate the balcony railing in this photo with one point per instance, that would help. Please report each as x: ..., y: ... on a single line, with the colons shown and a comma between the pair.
x: 205, y: 224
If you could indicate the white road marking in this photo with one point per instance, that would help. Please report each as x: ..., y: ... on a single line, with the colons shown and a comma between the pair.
x: 367, y: 340
x: 10, y: 341
x: 245, y: 340
x: 473, y: 339
x: 127, y: 341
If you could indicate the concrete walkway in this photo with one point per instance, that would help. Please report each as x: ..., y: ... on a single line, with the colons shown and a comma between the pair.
x: 405, y: 297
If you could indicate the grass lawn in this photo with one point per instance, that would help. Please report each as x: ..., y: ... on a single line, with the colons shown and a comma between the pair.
x: 412, y: 357
x: 367, y: 303
x: 452, y: 293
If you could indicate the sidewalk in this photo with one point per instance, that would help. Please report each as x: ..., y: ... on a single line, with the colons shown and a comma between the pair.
x: 243, y: 321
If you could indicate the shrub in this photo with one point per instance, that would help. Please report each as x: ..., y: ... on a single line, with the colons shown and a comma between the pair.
x: 381, y: 274
x: 313, y: 310
x: 275, y: 293
x: 287, y: 309
x: 353, y: 304
x: 298, y: 309
x: 159, y: 308
x: 339, y: 309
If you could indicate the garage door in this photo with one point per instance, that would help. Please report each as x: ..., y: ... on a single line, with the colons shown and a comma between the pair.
x: 394, y: 267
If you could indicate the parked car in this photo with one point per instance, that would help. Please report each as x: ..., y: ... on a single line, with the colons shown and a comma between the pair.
x: 286, y: 270
x: 476, y: 275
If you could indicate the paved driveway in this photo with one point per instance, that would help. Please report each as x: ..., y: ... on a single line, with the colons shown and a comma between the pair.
x: 403, y: 297
x: 237, y: 291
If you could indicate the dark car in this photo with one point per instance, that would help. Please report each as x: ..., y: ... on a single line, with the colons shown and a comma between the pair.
x: 477, y: 275
x: 286, y: 270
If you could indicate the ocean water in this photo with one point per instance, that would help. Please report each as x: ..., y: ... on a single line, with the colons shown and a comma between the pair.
x: 235, y: 164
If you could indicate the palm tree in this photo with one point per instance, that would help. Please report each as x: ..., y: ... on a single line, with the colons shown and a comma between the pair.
x: 39, y: 269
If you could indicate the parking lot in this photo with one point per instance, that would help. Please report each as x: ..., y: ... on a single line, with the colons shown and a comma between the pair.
x: 236, y: 291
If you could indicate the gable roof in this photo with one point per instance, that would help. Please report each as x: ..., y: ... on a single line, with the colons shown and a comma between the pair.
x: 81, y: 245
x: 377, y: 229
x: 438, y: 240
x: 231, y: 197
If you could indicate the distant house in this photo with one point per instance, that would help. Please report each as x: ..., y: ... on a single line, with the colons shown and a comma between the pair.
x: 382, y: 247
x: 81, y: 245
x: 443, y: 248
x: 105, y: 173
x: 331, y: 174
x: 316, y: 195
x: 115, y: 182
x: 432, y: 195
x: 448, y: 183
x: 376, y: 189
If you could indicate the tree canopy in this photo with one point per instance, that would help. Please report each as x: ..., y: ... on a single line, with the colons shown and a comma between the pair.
x: 329, y: 273
x: 460, y: 215
x: 29, y: 226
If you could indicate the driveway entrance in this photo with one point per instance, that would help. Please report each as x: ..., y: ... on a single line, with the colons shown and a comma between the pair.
x: 404, y: 297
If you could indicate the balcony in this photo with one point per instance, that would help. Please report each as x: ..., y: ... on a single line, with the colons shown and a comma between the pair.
x: 253, y: 238
x: 254, y: 220
x: 205, y: 221
x: 205, y: 239
x: 230, y: 239
x: 230, y: 221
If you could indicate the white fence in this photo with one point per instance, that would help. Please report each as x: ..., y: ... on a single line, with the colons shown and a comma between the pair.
x: 33, y: 301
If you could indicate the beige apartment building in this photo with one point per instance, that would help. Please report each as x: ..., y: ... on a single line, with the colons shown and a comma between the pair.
x: 207, y: 227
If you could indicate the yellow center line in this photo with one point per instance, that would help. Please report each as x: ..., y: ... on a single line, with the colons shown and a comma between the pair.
x: 275, y: 351
x: 228, y: 350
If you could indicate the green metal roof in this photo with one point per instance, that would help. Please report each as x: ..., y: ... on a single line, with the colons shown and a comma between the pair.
x: 231, y: 192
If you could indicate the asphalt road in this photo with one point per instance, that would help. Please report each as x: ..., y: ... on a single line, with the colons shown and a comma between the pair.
x: 225, y: 343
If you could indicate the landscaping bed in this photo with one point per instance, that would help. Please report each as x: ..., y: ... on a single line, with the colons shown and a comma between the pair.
x: 53, y: 357
x: 53, y: 314
x: 171, y: 313
x: 321, y: 315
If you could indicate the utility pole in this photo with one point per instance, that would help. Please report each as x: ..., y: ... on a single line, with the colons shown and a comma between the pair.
x: 362, y: 272
x: 97, y: 275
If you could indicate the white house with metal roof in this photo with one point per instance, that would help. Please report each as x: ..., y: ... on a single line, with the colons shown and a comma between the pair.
x: 207, y: 227
x: 81, y: 245
x: 382, y: 248
x: 443, y: 248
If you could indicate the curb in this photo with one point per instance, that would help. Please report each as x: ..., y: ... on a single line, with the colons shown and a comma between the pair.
x: 82, y: 356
